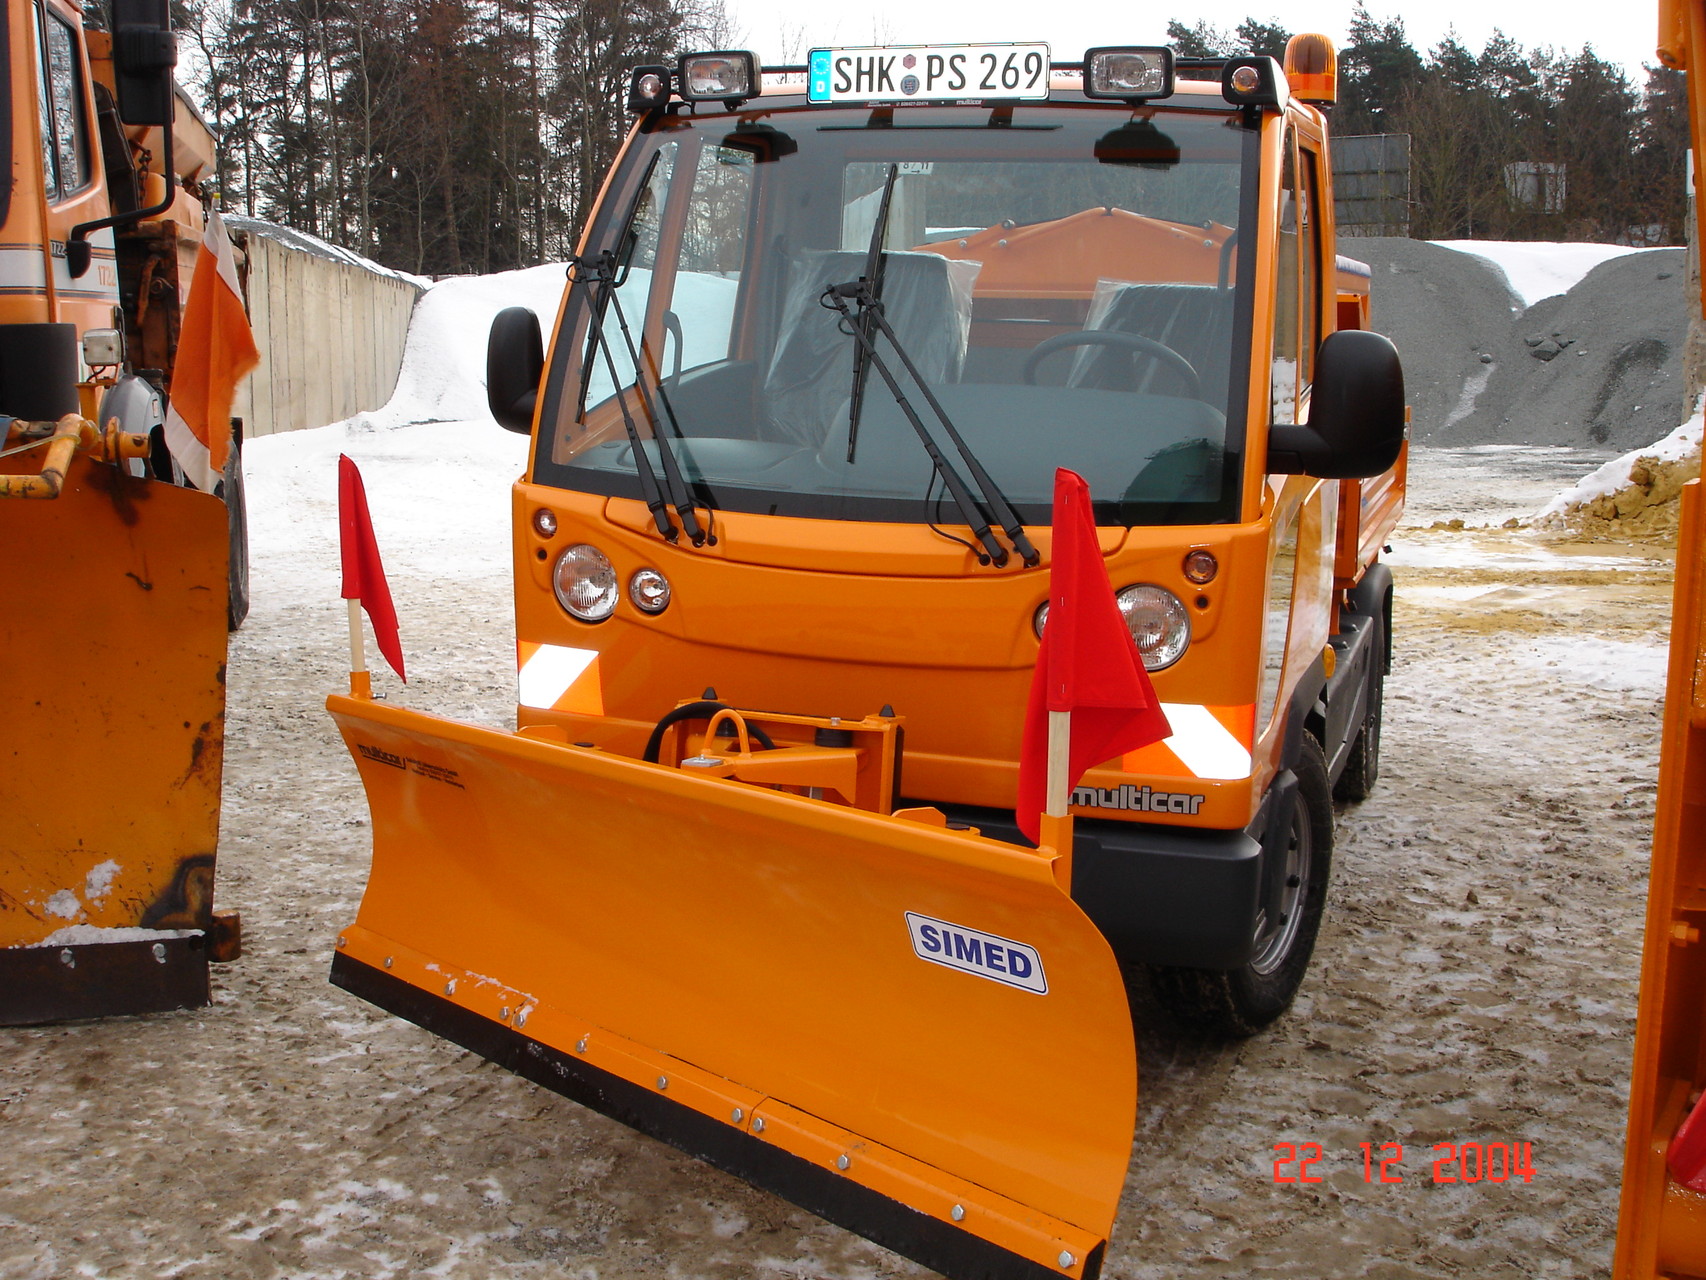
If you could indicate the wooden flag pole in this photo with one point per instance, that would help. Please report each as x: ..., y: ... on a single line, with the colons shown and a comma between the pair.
x: 1055, y: 826
x: 360, y: 682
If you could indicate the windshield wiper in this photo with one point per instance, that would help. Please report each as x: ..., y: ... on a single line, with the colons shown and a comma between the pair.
x: 875, y: 268
x: 972, y: 511
x: 603, y: 279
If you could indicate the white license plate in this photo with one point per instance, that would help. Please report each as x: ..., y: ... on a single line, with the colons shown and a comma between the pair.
x: 928, y: 73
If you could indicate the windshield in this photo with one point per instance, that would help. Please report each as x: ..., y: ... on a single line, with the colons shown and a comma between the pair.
x: 1065, y: 277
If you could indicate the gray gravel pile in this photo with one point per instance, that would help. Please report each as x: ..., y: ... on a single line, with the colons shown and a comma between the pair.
x: 1598, y: 366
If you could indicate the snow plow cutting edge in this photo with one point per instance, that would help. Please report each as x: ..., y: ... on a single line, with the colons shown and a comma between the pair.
x: 909, y: 1030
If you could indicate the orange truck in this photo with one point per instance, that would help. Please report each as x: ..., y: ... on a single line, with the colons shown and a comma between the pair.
x: 746, y: 874
x: 121, y: 583
x: 1662, y: 1221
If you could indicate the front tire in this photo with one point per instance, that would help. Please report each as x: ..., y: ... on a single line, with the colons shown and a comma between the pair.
x: 1240, y: 1002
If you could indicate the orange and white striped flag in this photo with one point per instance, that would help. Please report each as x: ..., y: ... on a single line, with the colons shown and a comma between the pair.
x: 216, y: 350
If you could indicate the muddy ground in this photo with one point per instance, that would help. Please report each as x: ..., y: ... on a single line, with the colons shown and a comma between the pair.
x: 1475, y: 982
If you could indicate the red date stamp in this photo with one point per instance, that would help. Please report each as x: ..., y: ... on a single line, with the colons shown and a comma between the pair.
x: 1453, y: 1162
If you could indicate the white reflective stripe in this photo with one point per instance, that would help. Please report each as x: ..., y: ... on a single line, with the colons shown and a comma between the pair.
x: 191, y: 453
x: 1205, y: 746
x: 547, y: 675
x: 23, y: 268
x: 214, y: 237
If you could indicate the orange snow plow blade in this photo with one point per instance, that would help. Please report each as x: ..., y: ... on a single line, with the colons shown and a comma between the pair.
x: 112, y: 676
x: 909, y: 1030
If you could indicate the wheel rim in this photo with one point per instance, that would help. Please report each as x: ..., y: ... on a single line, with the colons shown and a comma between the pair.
x: 1274, y: 941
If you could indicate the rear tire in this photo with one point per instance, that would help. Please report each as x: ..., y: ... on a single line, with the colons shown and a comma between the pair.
x: 1240, y: 1002
x: 1362, y: 767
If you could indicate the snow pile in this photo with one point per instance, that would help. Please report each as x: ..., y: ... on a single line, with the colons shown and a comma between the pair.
x: 440, y: 490
x: 1635, y: 495
x: 443, y: 378
x: 1539, y: 269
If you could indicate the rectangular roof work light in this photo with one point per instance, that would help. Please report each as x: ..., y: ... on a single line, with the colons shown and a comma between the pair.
x: 729, y: 76
x: 1130, y: 74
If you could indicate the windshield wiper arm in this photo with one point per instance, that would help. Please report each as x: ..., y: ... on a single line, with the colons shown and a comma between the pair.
x: 875, y: 264
x: 603, y: 277
x: 988, y: 490
x: 835, y: 297
x: 679, y: 494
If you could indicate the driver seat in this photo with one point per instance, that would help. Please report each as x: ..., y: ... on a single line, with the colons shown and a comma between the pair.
x: 1193, y: 319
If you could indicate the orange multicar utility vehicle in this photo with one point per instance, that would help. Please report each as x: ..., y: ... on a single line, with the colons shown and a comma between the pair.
x: 1661, y: 1229
x: 119, y: 582
x: 746, y: 876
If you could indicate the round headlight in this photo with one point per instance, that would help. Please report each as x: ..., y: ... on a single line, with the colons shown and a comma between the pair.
x: 649, y: 590
x: 1158, y: 623
x: 585, y: 583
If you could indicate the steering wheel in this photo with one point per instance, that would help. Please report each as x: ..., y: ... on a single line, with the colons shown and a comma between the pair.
x: 1134, y: 343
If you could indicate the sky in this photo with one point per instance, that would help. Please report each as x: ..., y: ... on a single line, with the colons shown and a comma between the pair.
x: 779, y: 30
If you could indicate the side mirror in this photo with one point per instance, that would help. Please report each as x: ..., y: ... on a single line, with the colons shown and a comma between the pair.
x: 515, y: 361
x: 144, y: 53
x: 1356, y: 412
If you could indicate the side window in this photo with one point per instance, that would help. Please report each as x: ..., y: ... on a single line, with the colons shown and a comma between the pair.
x: 1297, y: 284
x: 713, y: 253
x: 64, y: 130
x: 714, y: 239
x: 1309, y: 266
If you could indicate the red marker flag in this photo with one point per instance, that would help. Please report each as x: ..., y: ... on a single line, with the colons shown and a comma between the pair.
x: 364, y: 575
x: 1088, y: 666
x: 216, y: 350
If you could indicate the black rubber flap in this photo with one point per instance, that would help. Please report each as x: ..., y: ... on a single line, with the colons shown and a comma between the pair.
x: 101, y: 980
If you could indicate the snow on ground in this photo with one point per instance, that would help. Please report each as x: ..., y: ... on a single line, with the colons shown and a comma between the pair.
x: 1537, y: 269
x: 1475, y: 979
x: 441, y: 488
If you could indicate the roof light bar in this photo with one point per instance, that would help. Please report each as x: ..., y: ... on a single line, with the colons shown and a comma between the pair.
x: 1128, y: 73
x: 729, y: 76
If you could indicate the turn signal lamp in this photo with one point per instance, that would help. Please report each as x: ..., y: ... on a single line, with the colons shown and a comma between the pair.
x: 1312, y: 69
x: 1253, y: 82
x: 730, y: 77
x: 1200, y: 566
x: 1129, y: 74
x: 649, y: 590
x: 648, y: 89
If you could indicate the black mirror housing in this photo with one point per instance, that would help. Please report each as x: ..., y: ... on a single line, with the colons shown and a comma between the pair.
x: 1356, y: 412
x: 144, y: 53
x: 515, y: 361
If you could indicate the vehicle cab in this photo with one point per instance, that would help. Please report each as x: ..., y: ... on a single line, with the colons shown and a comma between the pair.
x: 830, y: 332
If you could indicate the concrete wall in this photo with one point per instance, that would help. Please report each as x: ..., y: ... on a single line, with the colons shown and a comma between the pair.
x: 330, y: 333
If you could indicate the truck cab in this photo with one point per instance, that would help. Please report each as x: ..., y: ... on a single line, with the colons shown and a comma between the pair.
x: 1135, y: 279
